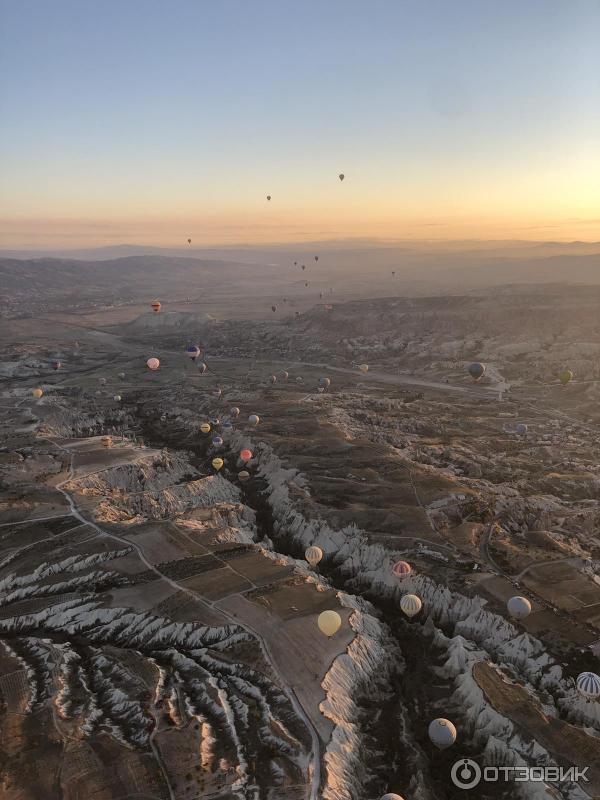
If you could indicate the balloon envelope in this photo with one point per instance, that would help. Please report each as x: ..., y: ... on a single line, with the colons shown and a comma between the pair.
x: 521, y: 428
x: 476, y: 370
x: 329, y: 622
x: 588, y: 685
x: 519, y: 607
x: 411, y: 604
x: 153, y: 364
x: 442, y: 733
x: 217, y: 463
x: 155, y: 306
x: 106, y: 441
x: 56, y: 364
x: 254, y: 419
x: 565, y: 376
x: 217, y: 441
x: 234, y: 412
x: 391, y: 796
x: 205, y: 427
x: 37, y: 393
x: 192, y: 351
x: 202, y: 367
x: 341, y: 176
x: 244, y: 475
x: 363, y: 367
x: 245, y: 455
x: 117, y: 398
x: 313, y: 555
x: 401, y: 569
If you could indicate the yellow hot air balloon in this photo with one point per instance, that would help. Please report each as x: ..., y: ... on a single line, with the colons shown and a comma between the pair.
x: 329, y: 623
x: 313, y: 555
x: 106, y: 441
x: 37, y: 393
x: 217, y: 463
x: 565, y: 376
x: 363, y: 367
x: 205, y: 427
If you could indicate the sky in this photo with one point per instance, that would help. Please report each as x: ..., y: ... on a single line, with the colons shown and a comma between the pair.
x: 148, y: 122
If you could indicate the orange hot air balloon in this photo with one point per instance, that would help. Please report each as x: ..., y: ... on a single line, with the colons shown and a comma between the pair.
x: 153, y: 364
x: 155, y: 306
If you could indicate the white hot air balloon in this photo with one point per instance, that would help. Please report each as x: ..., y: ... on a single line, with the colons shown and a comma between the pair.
x: 254, y: 419
x: 588, y: 685
x: 442, y: 733
x: 391, y: 796
x: 329, y: 623
x: 313, y: 555
x: 519, y: 607
x: 411, y: 605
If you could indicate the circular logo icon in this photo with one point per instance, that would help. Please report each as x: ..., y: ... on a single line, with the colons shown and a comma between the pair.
x: 465, y: 773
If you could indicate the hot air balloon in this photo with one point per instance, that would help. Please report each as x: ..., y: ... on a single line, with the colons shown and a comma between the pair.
x: 299, y: 379
x: 401, y: 569
x: 217, y: 392
x: 106, y: 441
x: 321, y: 295
x: 155, y: 306
x: 117, y: 398
x: 313, y: 555
x: 391, y: 796
x: 153, y: 364
x: 234, y: 412
x: 245, y: 455
x: 588, y: 685
x: 244, y: 475
x: 273, y: 308
x: 341, y: 176
x: 411, y: 604
x: 273, y: 378
x: 217, y: 463
x: 521, y: 428
x: 217, y: 441
x: 254, y: 419
x: 476, y: 370
x: 214, y: 421
x: 316, y: 258
x: 519, y: 607
x: 442, y: 733
x: 189, y: 241
x: 55, y: 364
x: 205, y: 427
x: 268, y: 197
x: 565, y: 376
x: 306, y: 285
x: 102, y: 381
x: 303, y: 266
x: 284, y: 375
x: 324, y: 383
x: 202, y: 367
x: 295, y: 263
x: 37, y: 393
x: 192, y: 351
x: 121, y: 375
x: 329, y: 623
x: 393, y: 273
x: 363, y: 367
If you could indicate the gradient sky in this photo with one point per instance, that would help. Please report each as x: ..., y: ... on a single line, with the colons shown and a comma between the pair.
x: 148, y: 121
